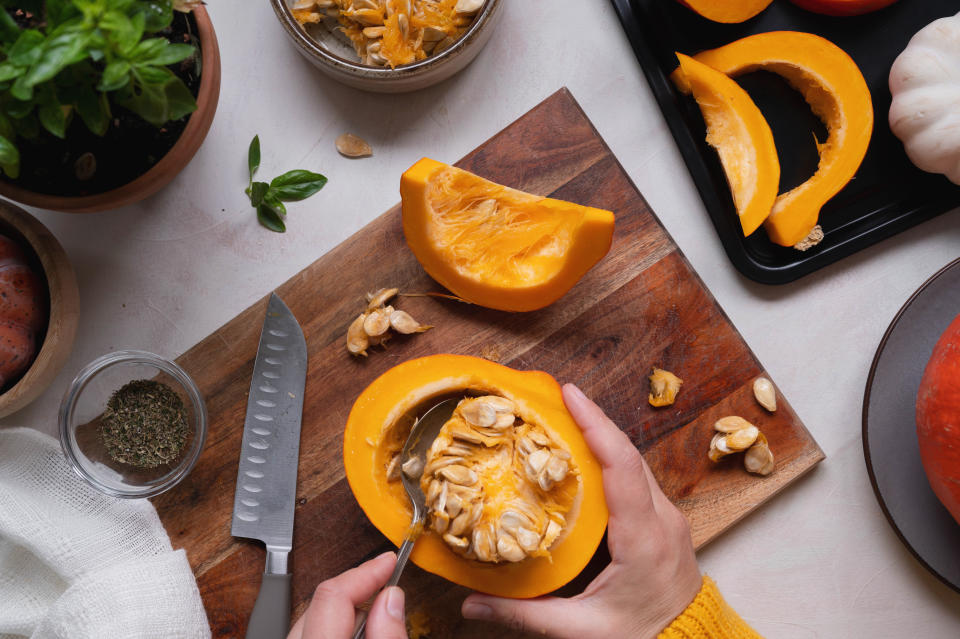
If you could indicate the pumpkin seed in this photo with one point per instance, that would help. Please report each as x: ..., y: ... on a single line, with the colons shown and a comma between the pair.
x: 759, y: 459
x: 731, y: 424
x: 468, y: 6
x: 376, y: 323
x: 765, y: 393
x: 352, y: 146
x: 357, y: 339
x: 403, y: 323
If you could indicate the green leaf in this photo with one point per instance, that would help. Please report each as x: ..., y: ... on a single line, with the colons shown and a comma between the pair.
x: 54, y: 119
x: 158, y: 14
x: 59, y: 12
x: 10, y: 71
x: 269, y: 218
x: 94, y: 110
x: 9, y: 30
x: 127, y: 40
x: 18, y: 109
x: 27, y: 49
x: 257, y: 192
x: 158, y: 104
x: 297, y: 185
x: 115, y: 76
x: 115, y: 21
x: 173, y: 53
x: 253, y: 156
x: 21, y: 90
x: 180, y: 102
x: 9, y: 158
x: 60, y: 51
x: 154, y: 75
x: 271, y: 200
x: 147, y: 49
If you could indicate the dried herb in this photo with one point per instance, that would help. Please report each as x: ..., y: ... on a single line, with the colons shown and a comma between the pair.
x: 144, y: 424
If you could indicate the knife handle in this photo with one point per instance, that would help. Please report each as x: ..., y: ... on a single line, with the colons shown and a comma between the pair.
x: 271, y: 614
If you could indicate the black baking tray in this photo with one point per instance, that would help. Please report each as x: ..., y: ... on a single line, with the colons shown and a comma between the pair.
x: 888, y: 194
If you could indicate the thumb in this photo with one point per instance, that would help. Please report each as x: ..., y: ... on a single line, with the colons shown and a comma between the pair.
x: 386, y: 620
x: 552, y: 616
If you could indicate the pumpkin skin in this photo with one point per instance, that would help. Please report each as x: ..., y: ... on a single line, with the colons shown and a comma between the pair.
x: 523, y: 256
x: 938, y: 419
x: 842, y: 7
x: 833, y: 86
x: 23, y: 311
x: 727, y: 11
x: 925, y: 85
x: 742, y: 138
x: 417, y: 384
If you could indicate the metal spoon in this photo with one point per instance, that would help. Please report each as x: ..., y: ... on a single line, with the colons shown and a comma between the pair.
x: 421, y: 437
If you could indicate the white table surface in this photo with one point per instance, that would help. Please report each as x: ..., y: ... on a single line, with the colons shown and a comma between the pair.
x: 820, y: 560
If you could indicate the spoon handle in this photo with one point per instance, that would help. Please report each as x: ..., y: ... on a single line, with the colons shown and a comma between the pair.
x: 402, y: 558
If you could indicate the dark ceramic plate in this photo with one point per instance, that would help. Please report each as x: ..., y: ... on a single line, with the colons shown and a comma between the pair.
x: 888, y: 195
x: 889, y: 430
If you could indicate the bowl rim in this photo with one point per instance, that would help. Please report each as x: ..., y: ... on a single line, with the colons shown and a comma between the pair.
x: 311, y: 46
x: 87, y: 373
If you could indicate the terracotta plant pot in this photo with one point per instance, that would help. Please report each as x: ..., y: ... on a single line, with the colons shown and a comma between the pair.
x: 170, y: 164
x: 61, y: 281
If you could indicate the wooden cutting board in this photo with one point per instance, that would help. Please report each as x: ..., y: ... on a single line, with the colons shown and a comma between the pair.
x: 643, y: 305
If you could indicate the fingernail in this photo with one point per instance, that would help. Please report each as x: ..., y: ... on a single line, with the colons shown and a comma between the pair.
x: 474, y: 610
x: 395, y: 603
x: 388, y: 553
x: 575, y: 391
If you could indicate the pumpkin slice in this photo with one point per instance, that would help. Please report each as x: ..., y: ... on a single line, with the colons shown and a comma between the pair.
x: 835, y: 89
x: 496, y: 246
x: 728, y: 11
x: 378, y: 426
x: 742, y: 138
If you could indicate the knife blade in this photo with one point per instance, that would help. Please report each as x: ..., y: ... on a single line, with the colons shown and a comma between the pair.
x: 266, y: 489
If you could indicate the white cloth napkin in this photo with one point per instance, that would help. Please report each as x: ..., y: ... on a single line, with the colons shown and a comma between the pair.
x: 77, y: 564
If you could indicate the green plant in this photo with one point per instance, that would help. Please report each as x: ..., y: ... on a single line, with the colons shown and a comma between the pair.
x: 67, y: 58
x: 268, y: 198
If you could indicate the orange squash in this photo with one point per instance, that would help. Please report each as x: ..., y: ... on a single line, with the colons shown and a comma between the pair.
x: 938, y: 419
x: 496, y: 246
x: 742, y: 138
x: 379, y: 423
x: 832, y: 84
x: 843, y: 7
x: 728, y: 11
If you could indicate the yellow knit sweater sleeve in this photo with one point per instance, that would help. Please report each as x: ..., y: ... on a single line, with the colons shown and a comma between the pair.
x: 708, y: 617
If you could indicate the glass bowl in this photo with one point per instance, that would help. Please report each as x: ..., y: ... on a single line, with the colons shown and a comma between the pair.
x: 84, y: 403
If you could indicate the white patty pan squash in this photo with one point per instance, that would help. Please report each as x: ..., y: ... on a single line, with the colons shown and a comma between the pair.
x: 925, y: 84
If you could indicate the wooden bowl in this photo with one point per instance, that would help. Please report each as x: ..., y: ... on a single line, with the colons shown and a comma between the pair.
x: 61, y: 282
x: 169, y: 165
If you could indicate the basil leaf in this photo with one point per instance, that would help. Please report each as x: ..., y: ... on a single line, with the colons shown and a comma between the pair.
x: 253, y: 156
x: 270, y: 219
x: 158, y: 14
x: 172, y: 53
x: 60, y: 51
x: 154, y: 75
x: 9, y: 31
x: 9, y: 71
x: 115, y: 21
x: 297, y: 185
x: 180, y: 102
x: 257, y: 191
x: 18, y: 109
x: 115, y: 76
x: 271, y: 200
x: 27, y: 49
x: 9, y: 158
x: 94, y: 110
x: 21, y: 90
x: 52, y: 115
x: 147, y: 49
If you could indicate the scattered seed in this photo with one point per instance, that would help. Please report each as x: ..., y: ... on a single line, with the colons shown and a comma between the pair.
x: 765, y: 393
x: 351, y: 146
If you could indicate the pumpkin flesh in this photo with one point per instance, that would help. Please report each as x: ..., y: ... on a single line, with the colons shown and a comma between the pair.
x: 727, y: 11
x: 379, y: 423
x: 833, y: 86
x: 742, y: 138
x: 496, y: 246
x: 938, y: 419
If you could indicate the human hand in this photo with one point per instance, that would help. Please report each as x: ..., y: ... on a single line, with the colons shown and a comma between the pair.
x: 332, y: 611
x: 652, y: 576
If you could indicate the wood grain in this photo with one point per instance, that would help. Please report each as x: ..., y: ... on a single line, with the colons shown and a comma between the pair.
x: 641, y: 306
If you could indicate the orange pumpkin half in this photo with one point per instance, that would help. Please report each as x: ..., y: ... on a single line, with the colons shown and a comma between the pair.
x: 378, y: 426
x: 496, y: 246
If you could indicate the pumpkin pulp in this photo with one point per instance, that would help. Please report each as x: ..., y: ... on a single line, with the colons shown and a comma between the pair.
x: 496, y: 246
x: 379, y: 423
x: 833, y: 86
x: 742, y: 138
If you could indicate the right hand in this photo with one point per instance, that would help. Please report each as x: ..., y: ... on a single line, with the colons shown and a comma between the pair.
x: 652, y: 576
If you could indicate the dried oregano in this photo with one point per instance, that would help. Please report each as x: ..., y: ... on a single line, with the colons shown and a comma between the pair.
x: 144, y: 424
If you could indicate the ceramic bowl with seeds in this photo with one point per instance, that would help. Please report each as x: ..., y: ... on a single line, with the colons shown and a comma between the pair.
x: 324, y: 43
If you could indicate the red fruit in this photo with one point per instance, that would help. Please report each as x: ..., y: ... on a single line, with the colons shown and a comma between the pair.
x: 938, y: 419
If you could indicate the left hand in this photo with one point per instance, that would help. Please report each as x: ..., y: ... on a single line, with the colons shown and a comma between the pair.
x: 333, y: 610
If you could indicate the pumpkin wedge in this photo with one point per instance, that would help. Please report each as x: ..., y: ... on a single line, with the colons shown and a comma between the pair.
x: 496, y: 246
x: 727, y: 11
x: 833, y: 86
x: 742, y: 138
x: 379, y: 423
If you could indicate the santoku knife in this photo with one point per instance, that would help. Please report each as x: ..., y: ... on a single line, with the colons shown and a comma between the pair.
x: 267, y: 477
